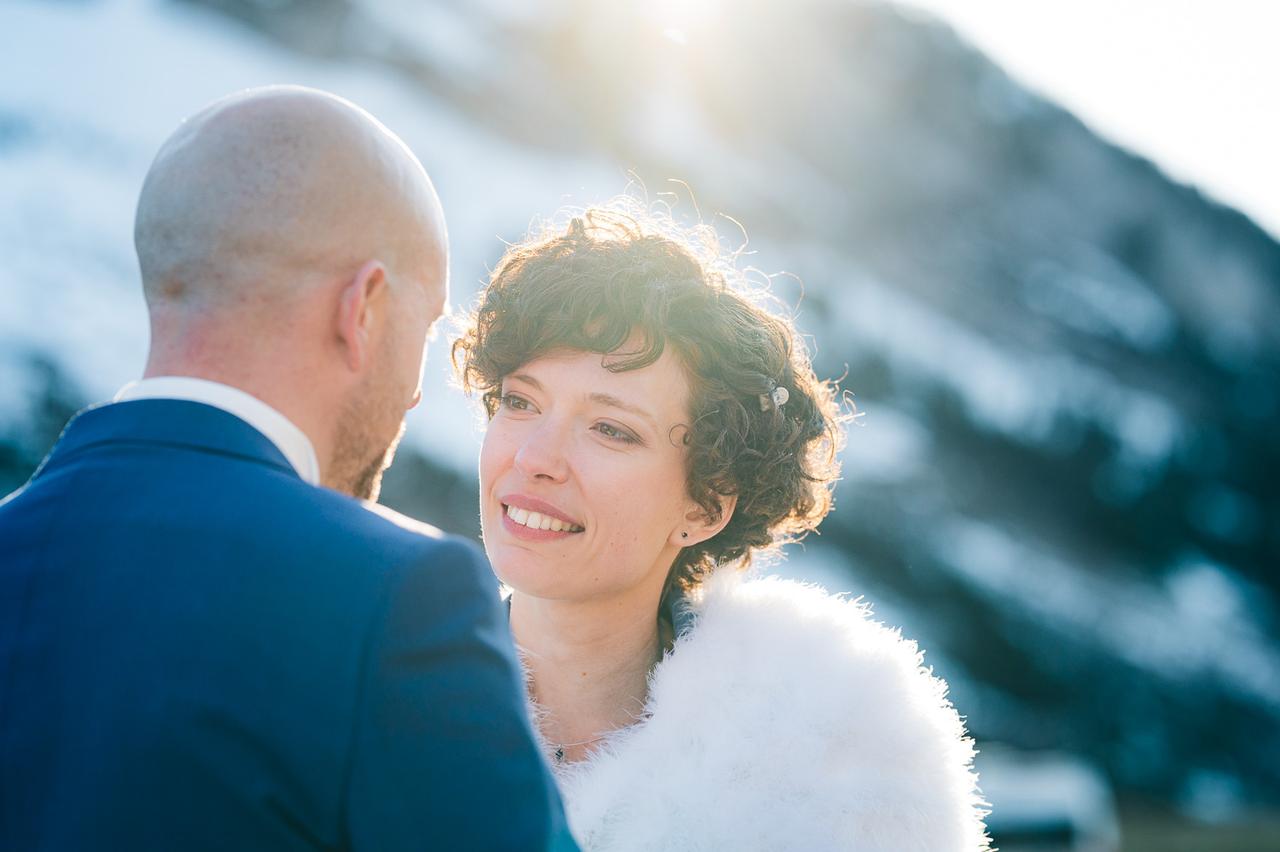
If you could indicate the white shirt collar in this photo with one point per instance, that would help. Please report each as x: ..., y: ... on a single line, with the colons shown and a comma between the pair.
x: 288, y: 438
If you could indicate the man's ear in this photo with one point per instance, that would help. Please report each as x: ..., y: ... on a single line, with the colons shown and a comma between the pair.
x: 699, y: 527
x: 357, y: 305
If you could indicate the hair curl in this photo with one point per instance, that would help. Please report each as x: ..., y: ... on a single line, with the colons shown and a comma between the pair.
x: 612, y: 276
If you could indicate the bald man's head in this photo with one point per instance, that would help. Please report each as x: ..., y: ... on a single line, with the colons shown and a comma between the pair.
x: 293, y: 247
x: 269, y: 189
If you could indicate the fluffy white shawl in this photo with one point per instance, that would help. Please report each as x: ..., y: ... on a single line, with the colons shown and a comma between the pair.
x: 785, y: 719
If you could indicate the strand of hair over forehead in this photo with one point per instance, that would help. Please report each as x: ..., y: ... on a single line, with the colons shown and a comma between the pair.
x: 627, y: 218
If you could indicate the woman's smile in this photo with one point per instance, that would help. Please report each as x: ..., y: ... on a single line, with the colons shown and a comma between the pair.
x: 531, y: 519
x: 584, y: 490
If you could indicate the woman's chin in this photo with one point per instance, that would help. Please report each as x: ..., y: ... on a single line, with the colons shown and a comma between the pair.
x: 529, y: 576
x: 544, y: 583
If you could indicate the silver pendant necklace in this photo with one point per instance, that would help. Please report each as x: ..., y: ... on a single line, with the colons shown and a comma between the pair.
x: 559, y: 749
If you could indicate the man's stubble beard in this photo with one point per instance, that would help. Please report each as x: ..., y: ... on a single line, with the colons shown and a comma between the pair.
x: 368, y: 482
x: 361, y: 451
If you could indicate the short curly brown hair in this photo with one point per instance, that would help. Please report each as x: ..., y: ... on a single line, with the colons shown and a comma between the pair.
x: 612, y: 276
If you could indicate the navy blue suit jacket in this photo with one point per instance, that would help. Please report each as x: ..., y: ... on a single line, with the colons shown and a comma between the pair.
x: 198, y: 650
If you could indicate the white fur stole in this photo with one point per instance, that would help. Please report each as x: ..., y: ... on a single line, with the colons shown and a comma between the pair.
x: 785, y: 719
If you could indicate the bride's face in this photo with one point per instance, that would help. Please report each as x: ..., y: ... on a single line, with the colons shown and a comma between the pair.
x: 596, y: 457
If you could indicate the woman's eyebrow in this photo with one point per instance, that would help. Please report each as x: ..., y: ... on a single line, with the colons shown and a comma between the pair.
x: 614, y: 402
x: 527, y: 379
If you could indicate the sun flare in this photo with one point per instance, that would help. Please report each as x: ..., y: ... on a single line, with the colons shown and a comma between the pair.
x: 681, y: 21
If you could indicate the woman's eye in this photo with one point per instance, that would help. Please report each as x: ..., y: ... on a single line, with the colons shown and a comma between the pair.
x: 615, y: 433
x: 514, y: 402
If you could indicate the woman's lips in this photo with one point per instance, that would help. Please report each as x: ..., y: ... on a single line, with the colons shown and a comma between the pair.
x: 542, y: 507
x: 532, y: 519
x: 519, y: 530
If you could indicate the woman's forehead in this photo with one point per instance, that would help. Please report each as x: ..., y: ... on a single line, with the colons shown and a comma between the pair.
x: 662, y: 386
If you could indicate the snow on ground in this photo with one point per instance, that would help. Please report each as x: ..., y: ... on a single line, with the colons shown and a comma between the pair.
x: 1199, y: 624
x: 87, y: 94
x: 1020, y: 394
x: 885, y: 444
x: 1098, y: 296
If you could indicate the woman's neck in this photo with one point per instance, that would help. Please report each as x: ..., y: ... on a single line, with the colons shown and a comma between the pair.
x: 589, y: 664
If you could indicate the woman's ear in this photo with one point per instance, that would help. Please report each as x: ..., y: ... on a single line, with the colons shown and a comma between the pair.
x: 699, y: 526
x: 356, y: 312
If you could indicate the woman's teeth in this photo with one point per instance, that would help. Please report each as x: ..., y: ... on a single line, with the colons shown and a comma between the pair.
x: 535, y: 521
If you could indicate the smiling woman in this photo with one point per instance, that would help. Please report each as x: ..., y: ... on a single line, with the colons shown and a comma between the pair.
x: 574, y: 441
x: 674, y: 333
x: 652, y: 428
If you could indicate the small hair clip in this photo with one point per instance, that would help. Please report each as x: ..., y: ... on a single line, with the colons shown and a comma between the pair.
x: 775, y: 398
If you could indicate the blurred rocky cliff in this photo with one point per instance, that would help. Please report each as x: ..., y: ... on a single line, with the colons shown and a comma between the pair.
x: 1066, y: 482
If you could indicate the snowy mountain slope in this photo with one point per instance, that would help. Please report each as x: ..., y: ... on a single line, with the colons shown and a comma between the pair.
x: 89, y: 93
x: 1065, y: 482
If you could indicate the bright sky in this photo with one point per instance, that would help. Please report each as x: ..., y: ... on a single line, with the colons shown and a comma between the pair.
x: 1193, y: 86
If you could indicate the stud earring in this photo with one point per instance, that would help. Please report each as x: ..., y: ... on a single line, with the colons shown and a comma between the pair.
x: 684, y: 535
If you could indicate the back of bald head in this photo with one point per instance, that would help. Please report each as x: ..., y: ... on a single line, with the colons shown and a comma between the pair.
x: 266, y: 192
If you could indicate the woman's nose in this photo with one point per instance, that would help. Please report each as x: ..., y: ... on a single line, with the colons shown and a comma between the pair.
x: 543, y: 453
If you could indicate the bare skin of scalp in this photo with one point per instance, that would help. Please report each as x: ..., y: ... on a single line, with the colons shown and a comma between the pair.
x: 261, y: 190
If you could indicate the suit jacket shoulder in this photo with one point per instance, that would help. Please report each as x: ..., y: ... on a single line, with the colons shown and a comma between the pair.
x: 200, y: 650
